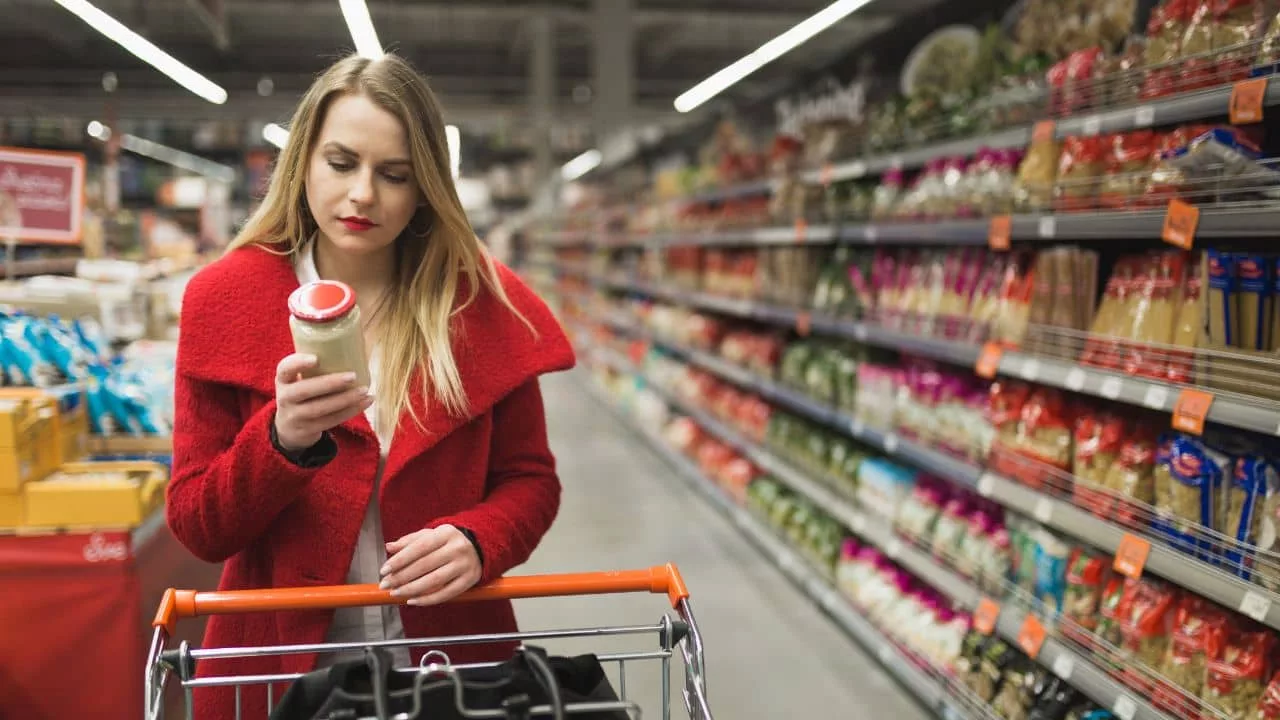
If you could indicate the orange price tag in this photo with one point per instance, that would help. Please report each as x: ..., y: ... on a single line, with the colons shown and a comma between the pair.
x: 802, y: 229
x: 1247, y: 99
x: 637, y: 350
x: 1190, y: 411
x: 985, y: 616
x: 989, y: 360
x: 1042, y: 131
x: 1131, y: 556
x: 1031, y: 636
x: 827, y: 172
x: 1180, y: 222
x: 804, y: 321
x: 1000, y: 232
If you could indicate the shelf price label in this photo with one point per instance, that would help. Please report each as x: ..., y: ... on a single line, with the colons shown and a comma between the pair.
x: 804, y: 323
x: 1042, y: 131
x: 802, y: 230
x: 1255, y: 605
x: 1000, y: 232
x: 986, y: 615
x: 1247, y: 99
x: 1031, y: 636
x: 1180, y: 222
x: 1131, y: 556
x: 1190, y: 410
x: 989, y: 360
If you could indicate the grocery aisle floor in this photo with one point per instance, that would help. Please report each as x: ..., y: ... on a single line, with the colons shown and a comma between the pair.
x: 770, y: 652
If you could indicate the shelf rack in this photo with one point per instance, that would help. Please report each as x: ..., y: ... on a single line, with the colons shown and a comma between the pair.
x: 1182, y: 569
x: 1064, y: 661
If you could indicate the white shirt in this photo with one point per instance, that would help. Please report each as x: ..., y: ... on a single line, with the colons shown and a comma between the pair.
x: 362, y: 624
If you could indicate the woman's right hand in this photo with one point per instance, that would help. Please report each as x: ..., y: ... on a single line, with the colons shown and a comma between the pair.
x: 307, y: 407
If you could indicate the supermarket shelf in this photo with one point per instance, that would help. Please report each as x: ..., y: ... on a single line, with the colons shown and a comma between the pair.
x: 1079, y: 670
x: 929, y: 691
x: 30, y: 268
x: 1183, y: 108
x: 731, y: 192
x: 1244, y: 221
x: 1048, y: 371
x: 1186, y: 571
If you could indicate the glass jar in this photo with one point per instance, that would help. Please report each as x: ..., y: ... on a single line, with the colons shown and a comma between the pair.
x: 325, y: 322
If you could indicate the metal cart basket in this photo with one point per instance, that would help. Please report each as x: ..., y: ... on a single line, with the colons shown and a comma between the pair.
x: 674, y: 634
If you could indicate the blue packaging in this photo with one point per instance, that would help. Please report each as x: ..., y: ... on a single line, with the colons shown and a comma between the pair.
x: 1052, y: 556
x: 1253, y: 479
x: 1192, y: 476
x: 28, y: 365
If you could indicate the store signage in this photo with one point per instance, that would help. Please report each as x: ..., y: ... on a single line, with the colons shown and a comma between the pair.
x: 41, y: 196
x: 832, y: 101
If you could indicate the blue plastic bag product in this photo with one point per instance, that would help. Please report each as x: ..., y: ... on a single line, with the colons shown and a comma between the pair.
x: 142, y: 414
x: 100, y: 418
x: 1253, y: 479
x: 1187, y: 486
x: 95, y: 341
x: 28, y: 365
x: 1052, y: 555
x: 63, y: 349
x: 1223, y: 321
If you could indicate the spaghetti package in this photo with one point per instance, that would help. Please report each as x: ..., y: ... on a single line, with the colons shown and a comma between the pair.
x: 1224, y: 312
x: 1254, y: 301
x: 1253, y: 480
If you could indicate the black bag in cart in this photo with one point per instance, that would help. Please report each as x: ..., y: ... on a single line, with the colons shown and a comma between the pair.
x: 369, y: 688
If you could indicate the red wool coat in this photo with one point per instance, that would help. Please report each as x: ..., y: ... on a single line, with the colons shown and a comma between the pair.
x: 233, y: 498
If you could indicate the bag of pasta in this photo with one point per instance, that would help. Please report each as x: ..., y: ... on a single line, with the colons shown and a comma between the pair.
x: 1269, y: 706
x: 1086, y: 579
x: 1234, y: 682
x: 1130, y: 479
x: 1199, y: 631
x: 1146, y: 629
x: 1099, y: 436
x: 1117, y: 598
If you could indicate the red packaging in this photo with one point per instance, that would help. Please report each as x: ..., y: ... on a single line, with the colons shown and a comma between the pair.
x: 1147, y: 629
x: 1129, y: 160
x: 1080, y: 170
x: 1099, y: 437
x: 1238, y: 676
x: 1199, y: 632
x: 1269, y: 705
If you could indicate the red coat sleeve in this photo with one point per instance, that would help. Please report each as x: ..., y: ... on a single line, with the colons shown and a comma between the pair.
x: 229, y: 483
x: 523, y: 491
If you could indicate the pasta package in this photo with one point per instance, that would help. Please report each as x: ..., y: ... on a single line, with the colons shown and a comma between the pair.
x: 1224, y: 312
x: 1234, y: 682
x: 1186, y: 484
x: 1199, y: 633
x: 1253, y: 480
x: 1253, y: 301
x: 1147, y: 629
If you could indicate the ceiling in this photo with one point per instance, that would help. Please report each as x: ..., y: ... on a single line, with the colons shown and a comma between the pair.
x: 475, y: 53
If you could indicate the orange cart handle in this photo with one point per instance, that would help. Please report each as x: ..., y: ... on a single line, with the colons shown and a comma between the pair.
x: 190, y: 603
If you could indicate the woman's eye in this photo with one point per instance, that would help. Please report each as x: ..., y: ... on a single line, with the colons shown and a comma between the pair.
x: 397, y: 179
x: 340, y: 166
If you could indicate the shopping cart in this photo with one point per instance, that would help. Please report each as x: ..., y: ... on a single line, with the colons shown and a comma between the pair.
x: 672, y: 633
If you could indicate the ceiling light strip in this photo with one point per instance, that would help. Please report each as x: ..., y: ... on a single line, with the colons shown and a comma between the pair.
x: 145, y: 50
x: 767, y: 53
x: 356, y: 13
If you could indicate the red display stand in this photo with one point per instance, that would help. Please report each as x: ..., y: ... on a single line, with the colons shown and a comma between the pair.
x: 75, y: 619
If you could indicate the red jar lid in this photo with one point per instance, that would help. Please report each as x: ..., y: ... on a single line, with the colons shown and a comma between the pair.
x: 322, y: 301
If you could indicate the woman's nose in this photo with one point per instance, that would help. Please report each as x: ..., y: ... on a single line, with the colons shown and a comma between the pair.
x: 361, y: 190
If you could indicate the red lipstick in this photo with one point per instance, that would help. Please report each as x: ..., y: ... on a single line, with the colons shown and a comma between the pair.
x: 357, y: 224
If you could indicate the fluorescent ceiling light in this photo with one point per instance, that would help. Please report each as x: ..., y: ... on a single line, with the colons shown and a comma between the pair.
x: 356, y: 13
x: 767, y: 53
x: 146, y: 51
x: 165, y: 154
x: 275, y: 135
x: 454, y: 139
x: 581, y: 165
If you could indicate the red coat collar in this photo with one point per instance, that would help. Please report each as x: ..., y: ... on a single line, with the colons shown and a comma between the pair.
x: 236, y: 329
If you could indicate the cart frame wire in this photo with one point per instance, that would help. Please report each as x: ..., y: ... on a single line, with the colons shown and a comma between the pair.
x: 680, y: 633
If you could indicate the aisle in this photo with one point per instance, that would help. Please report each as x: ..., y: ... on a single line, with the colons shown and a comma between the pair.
x: 770, y: 652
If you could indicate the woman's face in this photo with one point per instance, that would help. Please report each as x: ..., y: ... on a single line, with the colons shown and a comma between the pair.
x: 360, y: 184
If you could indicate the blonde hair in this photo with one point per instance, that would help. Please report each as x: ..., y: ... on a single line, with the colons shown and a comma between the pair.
x: 414, y: 323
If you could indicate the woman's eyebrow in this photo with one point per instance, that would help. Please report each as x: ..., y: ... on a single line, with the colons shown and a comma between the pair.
x: 335, y: 145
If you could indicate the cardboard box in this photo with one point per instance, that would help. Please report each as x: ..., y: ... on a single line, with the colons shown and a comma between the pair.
x: 96, y: 495
x: 71, y: 427
x: 28, y: 441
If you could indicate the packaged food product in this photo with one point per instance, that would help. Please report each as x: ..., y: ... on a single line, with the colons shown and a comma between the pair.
x: 1055, y: 700
x: 995, y: 658
x: 1036, y: 176
x: 1117, y: 597
x: 1188, y: 326
x: 975, y: 544
x: 1254, y: 301
x: 1238, y: 24
x: 997, y: 564
x: 969, y: 663
x: 1224, y: 312
x: 1199, y: 632
x: 1099, y: 436
x: 1041, y: 435
x: 921, y: 510
x: 1253, y: 479
x: 1234, y: 682
x: 1051, y: 572
x: 1080, y: 170
x: 1186, y: 486
x: 883, y: 485
x: 1022, y: 546
x: 950, y: 529
x: 1128, y: 168
x: 1086, y: 579
x: 1269, y: 48
x: 1130, y: 479
x: 1146, y: 629
x: 1269, y: 704
x: 1017, y: 695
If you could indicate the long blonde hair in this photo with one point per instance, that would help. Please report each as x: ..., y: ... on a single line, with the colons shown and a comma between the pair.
x: 415, y: 317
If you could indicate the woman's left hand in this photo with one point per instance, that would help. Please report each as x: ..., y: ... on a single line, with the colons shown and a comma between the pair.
x: 431, y: 566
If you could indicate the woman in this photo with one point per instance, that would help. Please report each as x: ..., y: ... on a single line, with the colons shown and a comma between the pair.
x: 434, y: 479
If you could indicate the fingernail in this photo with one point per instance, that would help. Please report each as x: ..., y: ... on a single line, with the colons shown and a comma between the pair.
x: 412, y: 601
x: 311, y: 359
x: 349, y: 377
x: 385, y: 584
x: 385, y: 569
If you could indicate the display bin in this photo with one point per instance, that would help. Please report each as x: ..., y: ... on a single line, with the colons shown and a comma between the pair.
x: 96, y: 495
x: 71, y: 424
x: 77, y: 610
